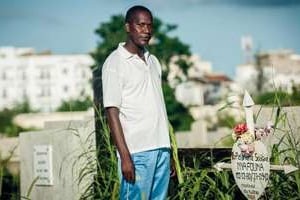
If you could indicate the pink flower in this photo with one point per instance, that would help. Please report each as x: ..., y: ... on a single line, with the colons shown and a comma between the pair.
x: 259, y: 133
x: 243, y: 147
x: 263, y: 132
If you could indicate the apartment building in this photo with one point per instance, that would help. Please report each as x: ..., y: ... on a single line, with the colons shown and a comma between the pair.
x: 43, y: 79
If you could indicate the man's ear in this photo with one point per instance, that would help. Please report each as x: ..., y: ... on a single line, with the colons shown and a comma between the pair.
x: 127, y: 27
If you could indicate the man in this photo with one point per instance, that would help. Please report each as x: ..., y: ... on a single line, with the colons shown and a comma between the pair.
x: 134, y: 103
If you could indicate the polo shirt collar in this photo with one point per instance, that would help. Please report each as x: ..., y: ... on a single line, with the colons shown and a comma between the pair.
x: 126, y: 54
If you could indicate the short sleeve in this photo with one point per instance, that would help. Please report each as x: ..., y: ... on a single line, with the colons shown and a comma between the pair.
x: 157, y: 65
x: 111, y: 85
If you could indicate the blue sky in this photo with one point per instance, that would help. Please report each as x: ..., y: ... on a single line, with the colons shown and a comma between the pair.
x: 212, y: 28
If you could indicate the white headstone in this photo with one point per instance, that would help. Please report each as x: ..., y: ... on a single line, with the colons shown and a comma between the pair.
x: 63, y: 159
x: 251, y: 173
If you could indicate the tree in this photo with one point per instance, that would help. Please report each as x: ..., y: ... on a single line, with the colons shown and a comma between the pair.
x: 75, y: 105
x: 162, y: 45
x: 6, y: 118
x: 279, y: 97
x: 296, y: 93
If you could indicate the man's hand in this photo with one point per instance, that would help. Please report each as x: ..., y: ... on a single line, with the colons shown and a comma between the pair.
x: 128, y: 169
x: 118, y: 137
x: 173, y: 168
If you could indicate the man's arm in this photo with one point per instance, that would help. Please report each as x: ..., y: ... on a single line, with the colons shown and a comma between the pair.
x: 119, y: 140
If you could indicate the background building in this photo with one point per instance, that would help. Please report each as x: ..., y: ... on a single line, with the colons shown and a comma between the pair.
x: 200, y: 85
x: 279, y: 69
x: 43, y: 79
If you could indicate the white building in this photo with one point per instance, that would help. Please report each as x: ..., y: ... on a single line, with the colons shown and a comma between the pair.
x: 45, y: 80
x: 191, y: 92
x: 200, y: 85
x: 189, y: 88
x: 198, y: 68
x: 280, y: 69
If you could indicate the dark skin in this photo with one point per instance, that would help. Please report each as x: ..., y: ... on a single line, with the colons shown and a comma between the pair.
x: 139, y: 32
x: 119, y: 140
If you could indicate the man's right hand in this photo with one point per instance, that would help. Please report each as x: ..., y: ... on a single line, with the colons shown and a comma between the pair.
x: 118, y: 137
x: 128, y: 169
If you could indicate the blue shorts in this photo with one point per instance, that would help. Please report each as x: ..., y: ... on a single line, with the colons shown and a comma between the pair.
x: 152, y: 175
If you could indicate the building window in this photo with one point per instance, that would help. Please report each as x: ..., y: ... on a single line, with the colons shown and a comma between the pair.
x: 4, y: 94
x: 44, y: 92
x: 82, y: 92
x: 24, y: 93
x: 48, y: 74
x: 83, y: 74
x: 41, y: 92
x: 42, y: 75
x: 65, y: 71
x: 66, y: 88
x: 23, y: 75
x: 4, y: 76
x: 45, y: 74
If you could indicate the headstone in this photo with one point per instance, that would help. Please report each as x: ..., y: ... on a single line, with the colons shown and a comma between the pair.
x: 288, y: 125
x: 251, y: 173
x: 250, y: 159
x: 195, y: 138
x: 53, y: 161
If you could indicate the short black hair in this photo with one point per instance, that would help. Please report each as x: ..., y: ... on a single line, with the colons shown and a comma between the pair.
x: 133, y: 10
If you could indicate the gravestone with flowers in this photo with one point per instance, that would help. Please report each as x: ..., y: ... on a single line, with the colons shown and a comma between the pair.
x: 250, y: 161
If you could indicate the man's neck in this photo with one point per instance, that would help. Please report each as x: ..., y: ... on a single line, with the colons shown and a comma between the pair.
x: 134, y: 49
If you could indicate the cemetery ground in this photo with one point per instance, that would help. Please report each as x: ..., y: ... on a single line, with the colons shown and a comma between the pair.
x: 197, y: 178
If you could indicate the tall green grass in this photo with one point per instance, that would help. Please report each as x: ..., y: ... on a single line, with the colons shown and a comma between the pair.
x: 195, y: 182
x: 106, y: 183
x: 9, y: 183
x: 285, y: 152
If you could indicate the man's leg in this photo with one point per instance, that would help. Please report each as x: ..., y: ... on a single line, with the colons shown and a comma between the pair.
x: 161, y: 177
x: 144, y: 163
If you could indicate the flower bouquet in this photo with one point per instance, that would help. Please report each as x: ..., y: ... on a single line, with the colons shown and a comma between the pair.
x: 245, y: 139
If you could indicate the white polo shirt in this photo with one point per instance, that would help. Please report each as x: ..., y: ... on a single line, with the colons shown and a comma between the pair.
x: 134, y: 87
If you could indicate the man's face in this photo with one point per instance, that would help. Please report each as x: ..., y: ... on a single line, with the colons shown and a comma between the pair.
x: 139, y: 29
